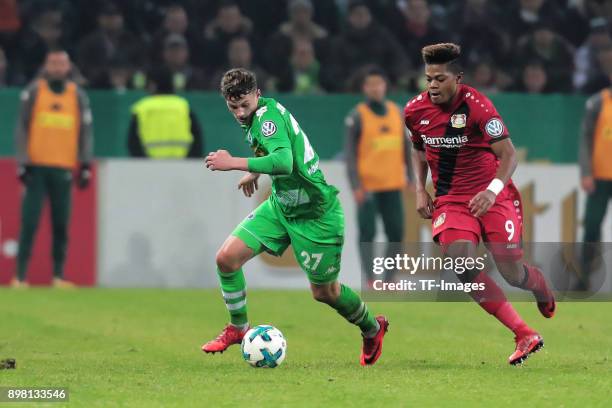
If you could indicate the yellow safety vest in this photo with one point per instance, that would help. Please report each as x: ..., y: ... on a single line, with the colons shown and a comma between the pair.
x: 164, y: 126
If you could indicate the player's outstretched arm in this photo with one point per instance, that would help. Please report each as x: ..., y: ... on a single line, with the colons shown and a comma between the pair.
x: 505, y: 152
x: 420, y: 168
x: 278, y: 162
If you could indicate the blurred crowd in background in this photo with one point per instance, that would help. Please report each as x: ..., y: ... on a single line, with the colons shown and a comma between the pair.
x: 311, y: 46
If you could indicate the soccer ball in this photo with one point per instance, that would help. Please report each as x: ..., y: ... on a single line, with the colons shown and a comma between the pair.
x: 264, y: 346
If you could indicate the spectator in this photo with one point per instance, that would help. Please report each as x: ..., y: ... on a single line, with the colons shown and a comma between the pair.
x: 299, y: 29
x: 240, y: 55
x: 595, y: 148
x: 42, y: 34
x: 417, y: 29
x: 528, y: 13
x: 483, y: 77
x: 267, y: 16
x: 185, y: 77
x: 111, y: 40
x: 300, y: 25
x: 555, y: 53
x: 534, y: 79
x: 176, y: 21
x: 587, y: 75
x: 604, y: 64
x: 574, y: 26
x: 121, y: 75
x: 163, y: 125
x: 53, y: 137
x: 364, y: 42
x: 481, y: 35
x: 305, y: 69
x: 228, y: 24
x: 377, y: 158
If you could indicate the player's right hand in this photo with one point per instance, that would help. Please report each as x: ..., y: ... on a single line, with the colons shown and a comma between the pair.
x: 359, y: 195
x: 248, y: 184
x: 588, y: 184
x: 424, y: 204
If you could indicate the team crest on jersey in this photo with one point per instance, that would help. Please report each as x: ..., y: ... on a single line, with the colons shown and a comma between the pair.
x: 268, y: 128
x: 250, y: 137
x: 459, y: 120
x: 494, y: 128
x: 440, y: 220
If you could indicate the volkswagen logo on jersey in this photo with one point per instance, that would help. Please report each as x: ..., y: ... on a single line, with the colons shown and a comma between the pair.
x: 494, y: 127
x: 268, y: 128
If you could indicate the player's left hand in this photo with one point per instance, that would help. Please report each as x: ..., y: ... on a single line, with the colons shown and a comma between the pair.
x: 481, y: 202
x: 220, y: 160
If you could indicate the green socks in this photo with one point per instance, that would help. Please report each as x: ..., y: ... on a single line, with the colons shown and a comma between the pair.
x: 350, y: 306
x: 233, y: 288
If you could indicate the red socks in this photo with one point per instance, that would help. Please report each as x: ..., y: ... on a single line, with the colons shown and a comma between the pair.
x: 493, y: 300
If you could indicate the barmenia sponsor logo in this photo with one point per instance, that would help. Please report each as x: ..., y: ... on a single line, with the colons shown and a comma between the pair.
x: 445, y: 141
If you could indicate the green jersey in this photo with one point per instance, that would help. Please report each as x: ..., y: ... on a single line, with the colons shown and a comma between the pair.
x: 304, y: 193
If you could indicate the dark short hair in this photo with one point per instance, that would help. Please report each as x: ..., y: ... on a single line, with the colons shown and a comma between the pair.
x: 372, y: 70
x: 238, y: 82
x: 443, y: 53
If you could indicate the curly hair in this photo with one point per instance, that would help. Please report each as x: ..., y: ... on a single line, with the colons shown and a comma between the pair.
x: 238, y: 82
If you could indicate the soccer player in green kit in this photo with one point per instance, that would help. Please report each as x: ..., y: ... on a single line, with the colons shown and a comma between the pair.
x: 302, y: 210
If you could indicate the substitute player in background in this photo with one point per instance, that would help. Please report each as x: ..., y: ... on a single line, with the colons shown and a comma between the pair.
x: 458, y: 134
x: 302, y: 211
x: 53, y: 139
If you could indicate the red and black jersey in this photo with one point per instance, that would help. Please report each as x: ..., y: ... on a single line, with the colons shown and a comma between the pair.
x: 457, y: 141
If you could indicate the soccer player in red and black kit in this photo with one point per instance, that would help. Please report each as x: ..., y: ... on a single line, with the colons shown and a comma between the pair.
x: 458, y: 134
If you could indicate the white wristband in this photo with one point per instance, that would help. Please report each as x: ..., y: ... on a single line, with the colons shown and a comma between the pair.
x: 496, y: 186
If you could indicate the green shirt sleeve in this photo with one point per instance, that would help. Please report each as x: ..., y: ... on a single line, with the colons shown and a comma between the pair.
x: 279, y: 162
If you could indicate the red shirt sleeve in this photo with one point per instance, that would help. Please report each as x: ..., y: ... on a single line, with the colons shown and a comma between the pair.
x: 488, y: 119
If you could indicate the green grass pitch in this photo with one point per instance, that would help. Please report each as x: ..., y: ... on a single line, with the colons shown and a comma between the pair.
x: 142, y: 348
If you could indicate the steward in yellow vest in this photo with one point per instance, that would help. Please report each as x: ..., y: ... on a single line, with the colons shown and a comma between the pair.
x: 53, y: 138
x: 163, y: 126
x: 378, y: 161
